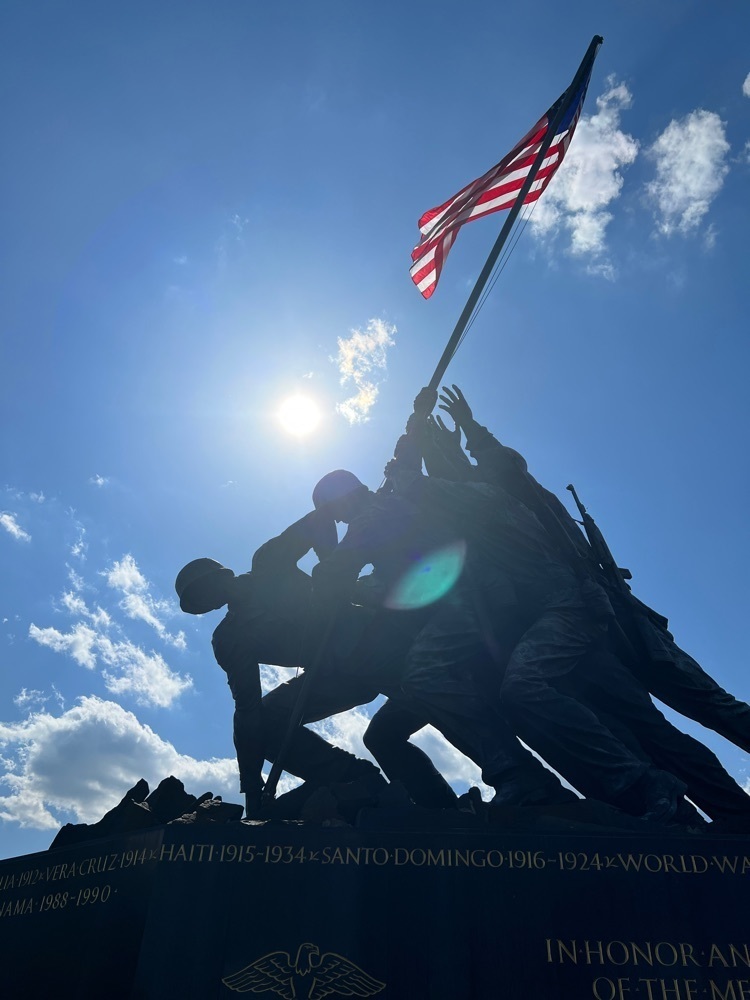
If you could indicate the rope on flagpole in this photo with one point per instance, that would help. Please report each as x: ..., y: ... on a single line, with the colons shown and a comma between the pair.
x: 516, y: 235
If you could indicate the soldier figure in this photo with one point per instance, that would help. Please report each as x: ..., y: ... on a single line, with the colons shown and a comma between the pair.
x: 604, y: 683
x: 669, y: 673
x: 390, y: 531
x: 565, y: 619
x: 520, y: 639
x: 267, y: 621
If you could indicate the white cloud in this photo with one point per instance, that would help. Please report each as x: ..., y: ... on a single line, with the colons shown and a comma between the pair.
x: 355, y: 408
x: 138, y: 606
x: 28, y: 699
x: 79, y: 643
x: 138, y: 603
x: 690, y: 157
x: 76, y: 605
x: 709, y: 237
x: 79, y: 764
x: 146, y: 676
x: 97, y: 480
x: 589, y: 180
x: 144, y: 608
x: 16, y: 494
x: 272, y: 676
x: 126, y: 667
x: 239, y: 224
x: 125, y: 576
x: 79, y: 546
x: 361, y: 360
x: 346, y: 730
x: 11, y: 525
x: 458, y: 770
x: 746, y: 86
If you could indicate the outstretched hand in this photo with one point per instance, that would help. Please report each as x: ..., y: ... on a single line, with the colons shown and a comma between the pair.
x: 455, y: 403
x: 450, y: 439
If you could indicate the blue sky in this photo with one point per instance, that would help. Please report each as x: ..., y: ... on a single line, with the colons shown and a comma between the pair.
x: 210, y: 207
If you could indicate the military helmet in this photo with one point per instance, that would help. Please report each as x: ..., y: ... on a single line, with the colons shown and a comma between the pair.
x: 198, y: 586
x: 335, y: 486
x: 518, y: 458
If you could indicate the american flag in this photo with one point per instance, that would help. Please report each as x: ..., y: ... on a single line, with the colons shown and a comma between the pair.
x: 495, y: 190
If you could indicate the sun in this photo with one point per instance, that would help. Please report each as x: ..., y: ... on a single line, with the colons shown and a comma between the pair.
x: 299, y: 415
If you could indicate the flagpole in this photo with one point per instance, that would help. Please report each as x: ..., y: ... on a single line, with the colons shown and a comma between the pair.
x: 295, y: 720
x: 471, y: 302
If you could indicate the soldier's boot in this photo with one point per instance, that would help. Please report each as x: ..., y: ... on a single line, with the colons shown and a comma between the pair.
x: 532, y: 786
x: 350, y: 784
x: 316, y: 761
x: 656, y: 796
x: 387, y: 739
x: 472, y: 802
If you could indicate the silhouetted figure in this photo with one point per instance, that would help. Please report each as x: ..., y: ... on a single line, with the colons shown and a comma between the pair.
x: 667, y: 671
x: 566, y: 618
x: 267, y: 621
x: 607, y: 686
x: 393, y: 534
x: 387, y: 737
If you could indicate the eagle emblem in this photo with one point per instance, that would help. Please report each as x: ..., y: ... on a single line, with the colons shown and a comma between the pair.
x: 311, y: 976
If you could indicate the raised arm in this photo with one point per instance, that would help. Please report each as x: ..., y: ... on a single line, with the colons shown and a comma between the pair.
x: 316, y: 530
x: 500, y: 464
x: 410, y: 446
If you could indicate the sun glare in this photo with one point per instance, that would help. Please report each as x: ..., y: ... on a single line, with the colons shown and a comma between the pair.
x: 299, y: 415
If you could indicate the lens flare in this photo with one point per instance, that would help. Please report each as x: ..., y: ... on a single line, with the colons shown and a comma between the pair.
x: 299, y: 415
x: 431, y: 578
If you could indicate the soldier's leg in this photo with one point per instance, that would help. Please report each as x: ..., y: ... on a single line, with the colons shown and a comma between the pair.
x: 612, y: 687
x: 387, y: 739
x: 309, y: 756
x: 244, y: 683
x: 439, y: 677
x: 363, y: 661
x: 568, y: 734
x: 686, y: 687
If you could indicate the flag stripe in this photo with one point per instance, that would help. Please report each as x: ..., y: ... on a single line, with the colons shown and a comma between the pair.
x: 494, y: 191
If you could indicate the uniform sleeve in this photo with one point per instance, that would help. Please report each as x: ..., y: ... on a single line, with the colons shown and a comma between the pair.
x: 408, y: 451
x: 500, y: 464
x: 504, y: 467
x: 313, y: 531
x: 334, y: 577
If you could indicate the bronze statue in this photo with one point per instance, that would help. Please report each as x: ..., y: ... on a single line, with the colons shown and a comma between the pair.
x: 267, y: 620
x: 522, y: 636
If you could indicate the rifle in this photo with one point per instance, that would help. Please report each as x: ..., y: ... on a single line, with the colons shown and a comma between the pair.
x: 633, y: 625
x: 602, y: 552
